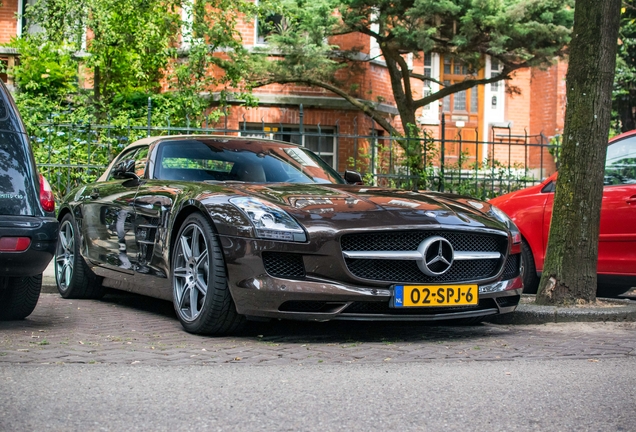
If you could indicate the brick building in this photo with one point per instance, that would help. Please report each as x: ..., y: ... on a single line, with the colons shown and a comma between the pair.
x: 519, y: 110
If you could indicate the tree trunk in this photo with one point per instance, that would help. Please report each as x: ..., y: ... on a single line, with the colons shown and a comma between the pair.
x: 569, y: 273
x: 97, y: 96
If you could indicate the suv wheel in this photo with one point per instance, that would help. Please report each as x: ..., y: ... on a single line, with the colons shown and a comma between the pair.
x: 18, y: 296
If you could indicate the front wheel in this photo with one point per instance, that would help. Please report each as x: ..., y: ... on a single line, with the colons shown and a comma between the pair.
x: 528, y: 270
x: 201, y: 295
x: 73, y: 276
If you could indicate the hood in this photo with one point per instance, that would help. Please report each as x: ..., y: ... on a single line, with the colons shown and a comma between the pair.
x: 359, y: 207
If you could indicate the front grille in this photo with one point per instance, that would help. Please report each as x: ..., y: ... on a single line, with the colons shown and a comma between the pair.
x: 285, y: 265
x: 410, y: 240
x: 511, y: 268
x: 407, y: 271
x: 382, y: 308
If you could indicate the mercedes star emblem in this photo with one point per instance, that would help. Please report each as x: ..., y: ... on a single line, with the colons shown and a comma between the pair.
x: 437, y: 256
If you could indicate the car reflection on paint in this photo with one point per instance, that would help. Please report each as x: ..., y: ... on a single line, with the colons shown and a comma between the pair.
x: 231, y: 229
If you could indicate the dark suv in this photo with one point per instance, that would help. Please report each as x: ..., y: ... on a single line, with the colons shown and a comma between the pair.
x: 28, y: 228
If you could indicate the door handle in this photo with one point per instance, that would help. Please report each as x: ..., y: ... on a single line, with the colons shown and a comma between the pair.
x: 631, y: 200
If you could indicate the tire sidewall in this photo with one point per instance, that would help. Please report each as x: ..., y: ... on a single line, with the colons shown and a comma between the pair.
x: 195, y: 325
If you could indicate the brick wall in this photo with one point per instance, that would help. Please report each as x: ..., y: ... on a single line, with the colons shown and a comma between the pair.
x: 8, y: 20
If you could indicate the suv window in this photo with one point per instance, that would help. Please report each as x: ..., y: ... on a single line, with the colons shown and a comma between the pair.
x: 18, y: 193
x: 620, y: 164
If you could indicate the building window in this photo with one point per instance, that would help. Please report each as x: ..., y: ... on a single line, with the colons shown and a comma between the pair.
x: 463, y: 102
x: 459, y: 102
x: 447, y: 99
x: 495, y: 69
x: 322, y: 142
x: 474, y: 99
x: 274, y: 23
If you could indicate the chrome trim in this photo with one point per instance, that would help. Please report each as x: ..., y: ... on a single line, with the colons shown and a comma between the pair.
x: 416, y: 255
x: 462, y: 256
x: 431, y: 227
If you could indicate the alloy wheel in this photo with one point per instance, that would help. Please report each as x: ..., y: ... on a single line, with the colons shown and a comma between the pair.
x: 191, y: 272
x: 65, y: 255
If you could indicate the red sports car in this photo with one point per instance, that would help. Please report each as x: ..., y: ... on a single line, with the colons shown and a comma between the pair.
x: 531, y: 210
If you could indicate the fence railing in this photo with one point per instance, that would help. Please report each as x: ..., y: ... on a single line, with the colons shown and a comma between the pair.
x: 73, y: 154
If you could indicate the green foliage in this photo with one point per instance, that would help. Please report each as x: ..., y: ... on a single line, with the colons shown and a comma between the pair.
x: 555, y: 149
x: 518, y: 33
x: 44, y: 68
x: 125, y: 43
x: 382, y: 164
x: 624, y: 94
x: 485, y: 179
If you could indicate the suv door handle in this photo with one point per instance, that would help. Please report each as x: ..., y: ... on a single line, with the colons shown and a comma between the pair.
x: 631, y: 200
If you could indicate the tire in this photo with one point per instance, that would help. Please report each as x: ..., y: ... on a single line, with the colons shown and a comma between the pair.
x: 201, y: 296
x: 528, y: 270
x: 18, y: 296
x: 73, y: 276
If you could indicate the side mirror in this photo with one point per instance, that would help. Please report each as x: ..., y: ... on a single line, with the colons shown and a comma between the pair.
x: 125, y: 169
x: 353, y: 177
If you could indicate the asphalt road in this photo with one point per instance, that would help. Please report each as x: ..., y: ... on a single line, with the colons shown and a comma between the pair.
x: 566, y: 395
x: 124, y: 363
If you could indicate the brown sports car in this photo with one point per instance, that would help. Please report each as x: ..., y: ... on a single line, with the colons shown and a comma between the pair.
x: 230, y: 229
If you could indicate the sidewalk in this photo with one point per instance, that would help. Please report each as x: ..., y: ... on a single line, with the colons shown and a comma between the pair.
x: 526, y: 313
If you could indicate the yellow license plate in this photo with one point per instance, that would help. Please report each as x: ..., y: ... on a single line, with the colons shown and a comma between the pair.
x: 435, y: 295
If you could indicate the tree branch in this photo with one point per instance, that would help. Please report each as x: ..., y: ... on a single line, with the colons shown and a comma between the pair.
x: 364, y: 106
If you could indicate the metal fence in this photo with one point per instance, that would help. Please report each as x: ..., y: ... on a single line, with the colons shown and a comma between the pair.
x: 70, y: 154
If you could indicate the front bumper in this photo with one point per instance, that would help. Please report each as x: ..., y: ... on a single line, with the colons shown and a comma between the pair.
x: 326, y: 290
x: 309, y: 300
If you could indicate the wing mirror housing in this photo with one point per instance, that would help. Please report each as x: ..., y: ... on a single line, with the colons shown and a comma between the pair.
x: 353, y: 177
x: 125, y: 169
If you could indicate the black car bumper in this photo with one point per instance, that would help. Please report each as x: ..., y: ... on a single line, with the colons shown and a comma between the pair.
x: 42, y: 231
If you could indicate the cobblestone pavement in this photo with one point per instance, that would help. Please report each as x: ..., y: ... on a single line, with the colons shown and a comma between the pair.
x: 129, y: 329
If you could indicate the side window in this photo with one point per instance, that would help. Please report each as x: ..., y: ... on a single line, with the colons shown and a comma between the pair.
x: 139, y: 155
x: 141, y: 159
x: 620, y: 164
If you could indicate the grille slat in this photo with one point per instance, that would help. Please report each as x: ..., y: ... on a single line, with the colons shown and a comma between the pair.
x: 511, y: 268
x: 406, y: 271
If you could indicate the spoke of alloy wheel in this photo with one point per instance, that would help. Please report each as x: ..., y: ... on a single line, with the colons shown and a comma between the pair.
x: 181, y: 293
x: 63, y: 242
x: 202, y: 257
x: 185, y: 247
x: 195, y: 241
x: 67, y: 274
x: 180, y: 272
x: 201, y: 286
x: 62, y: 275
x: 194, y: 305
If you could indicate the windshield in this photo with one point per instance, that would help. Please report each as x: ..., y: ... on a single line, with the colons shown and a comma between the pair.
x: 240, y: 160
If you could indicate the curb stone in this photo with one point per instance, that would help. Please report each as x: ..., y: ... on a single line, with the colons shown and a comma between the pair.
x: 625, y: 310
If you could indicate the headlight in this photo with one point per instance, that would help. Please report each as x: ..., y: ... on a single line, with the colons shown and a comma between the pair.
x: 503, y: 217
x: 270, y: 222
